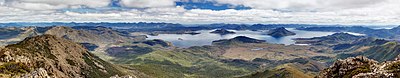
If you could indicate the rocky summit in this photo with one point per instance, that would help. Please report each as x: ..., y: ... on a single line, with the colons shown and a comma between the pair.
x: 50, y: 56
x: 361, y: 67
x: 280, y: 32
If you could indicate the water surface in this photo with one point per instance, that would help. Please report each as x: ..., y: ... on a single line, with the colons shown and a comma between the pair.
x: 206, y: 38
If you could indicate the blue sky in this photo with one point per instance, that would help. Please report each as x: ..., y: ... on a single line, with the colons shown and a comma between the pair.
x: 187, y: 5
x: 203, y: 11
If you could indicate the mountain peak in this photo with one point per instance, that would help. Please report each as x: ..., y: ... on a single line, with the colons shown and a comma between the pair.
x: 53, y: 57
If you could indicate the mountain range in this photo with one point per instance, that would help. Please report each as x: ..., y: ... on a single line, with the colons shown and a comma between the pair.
x: 102, y: 52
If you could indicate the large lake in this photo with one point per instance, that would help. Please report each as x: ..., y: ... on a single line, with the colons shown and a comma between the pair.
x: 206, y: 38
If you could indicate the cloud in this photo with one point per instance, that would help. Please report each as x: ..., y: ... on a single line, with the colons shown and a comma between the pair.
x: 263, y: 11
x: 148, y: 3
x: 53, y: 4
x: 303, y: 5
x: 37, y: 6
x: 96, y: 15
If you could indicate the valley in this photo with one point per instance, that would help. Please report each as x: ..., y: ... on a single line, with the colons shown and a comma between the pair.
x: 199, y: 39
x: 138, y: 54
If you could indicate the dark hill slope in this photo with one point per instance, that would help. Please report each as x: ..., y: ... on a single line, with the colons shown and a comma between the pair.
x: 334, y: 39
x: 6, y: 33
x: 97, y: 35
x: 384, y: 52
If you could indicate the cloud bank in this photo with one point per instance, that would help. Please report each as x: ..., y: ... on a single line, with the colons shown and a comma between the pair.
x: 262, y: 11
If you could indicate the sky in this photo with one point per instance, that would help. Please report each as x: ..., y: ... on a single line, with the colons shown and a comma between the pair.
x: 382, y: 12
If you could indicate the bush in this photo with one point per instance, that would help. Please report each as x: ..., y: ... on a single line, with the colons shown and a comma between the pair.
x: 13, y: 67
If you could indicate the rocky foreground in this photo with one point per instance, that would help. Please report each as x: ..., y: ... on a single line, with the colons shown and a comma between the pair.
x: 362, y: 67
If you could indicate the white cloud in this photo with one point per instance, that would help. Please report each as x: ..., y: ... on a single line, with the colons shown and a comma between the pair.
x: 95, y: 15
x: 53, y: 4
x: 37, y: 6
x: 2, y: 2
x: 304, y: 11
x: 148, y: 3
x: 90, y: 3
x: 303, y: 5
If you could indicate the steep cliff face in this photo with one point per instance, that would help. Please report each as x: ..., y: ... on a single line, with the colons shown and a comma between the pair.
x: 362, y: 67
x: 51, y: 56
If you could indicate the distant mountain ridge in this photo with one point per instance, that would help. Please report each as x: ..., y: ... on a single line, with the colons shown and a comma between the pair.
x: 12, y: 35
x: 9, y: 32
x: 379, y: 33
x: 334, y: 39
x: 82, y: 34
x: 95, y: 35
x: 150, y: 26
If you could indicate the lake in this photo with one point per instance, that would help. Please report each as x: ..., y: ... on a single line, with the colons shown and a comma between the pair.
x: 206, y: 38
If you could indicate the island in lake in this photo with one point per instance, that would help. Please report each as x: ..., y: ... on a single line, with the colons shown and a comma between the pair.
x: 280, y: 32
x: 222, y: 32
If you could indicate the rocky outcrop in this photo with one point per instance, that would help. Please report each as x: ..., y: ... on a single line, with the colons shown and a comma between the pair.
x: 362, y: 67
x: 280, y: 32
x: 222, y: 32
x: 51, y: 56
